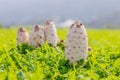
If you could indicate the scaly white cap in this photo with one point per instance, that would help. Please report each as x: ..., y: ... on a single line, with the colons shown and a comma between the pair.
x: 50, y: 33
x: 76, y: 43
x: 22, y: 36
x: 36, y: 36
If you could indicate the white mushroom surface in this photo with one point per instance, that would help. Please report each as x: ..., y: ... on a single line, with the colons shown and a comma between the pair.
x: 76, y: 46
x: 22, y: 36
x: 50, y: 33
x: 36, y: 36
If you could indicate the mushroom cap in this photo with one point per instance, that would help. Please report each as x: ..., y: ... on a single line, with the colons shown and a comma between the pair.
x: 76, y: 43
x: 22, y: 36
x: 21, y: 29
x: 50, y: 33
x: 36, y: 36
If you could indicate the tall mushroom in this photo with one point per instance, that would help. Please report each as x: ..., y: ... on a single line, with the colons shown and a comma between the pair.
x: 76, y: 43
x: 36, y: 36
x: 22, y: 36
x: 50, y: 33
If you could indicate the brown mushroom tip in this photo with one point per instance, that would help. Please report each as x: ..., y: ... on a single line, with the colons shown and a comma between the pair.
x: 21, y: 29
x: 78, y: 24
x: 62, y: 41
x: 48, y: 22
x: 89, y: 49
x: 36, y: 26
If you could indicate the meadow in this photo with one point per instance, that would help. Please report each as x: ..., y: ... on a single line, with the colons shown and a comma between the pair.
x: 47, y: 63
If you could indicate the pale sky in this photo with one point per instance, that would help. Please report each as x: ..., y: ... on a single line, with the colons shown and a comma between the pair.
x: 16, y: 10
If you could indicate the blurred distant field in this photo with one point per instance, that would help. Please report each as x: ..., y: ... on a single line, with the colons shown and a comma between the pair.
x: 45, y: 62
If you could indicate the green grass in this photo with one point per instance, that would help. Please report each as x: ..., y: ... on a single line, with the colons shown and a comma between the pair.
x: 47, y: 63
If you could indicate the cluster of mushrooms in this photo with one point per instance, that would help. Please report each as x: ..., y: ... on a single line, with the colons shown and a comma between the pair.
x: 76, y: 44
